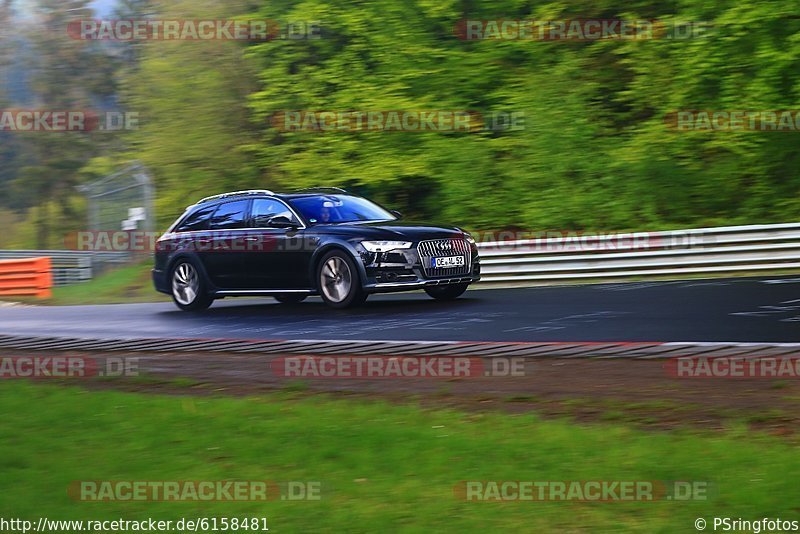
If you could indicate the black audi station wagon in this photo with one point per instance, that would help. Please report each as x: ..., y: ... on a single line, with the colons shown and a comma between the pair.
x: 321, y: 241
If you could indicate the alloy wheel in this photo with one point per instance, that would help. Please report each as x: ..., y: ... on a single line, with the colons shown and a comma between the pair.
x: 336, y: 279
x: 185, y: 284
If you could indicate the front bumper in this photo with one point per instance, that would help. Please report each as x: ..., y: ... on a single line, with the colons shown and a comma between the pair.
x: 160, y: 281
x: 390, y: 287
x: 403, y: 271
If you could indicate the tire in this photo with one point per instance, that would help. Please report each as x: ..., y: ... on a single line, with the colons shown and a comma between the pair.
x: 290, y: 299
x: 338, y: 281
x: 448, y: 292
x: 188, y: 286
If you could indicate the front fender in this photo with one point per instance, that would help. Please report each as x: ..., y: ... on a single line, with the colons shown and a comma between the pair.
x: 334, y: 244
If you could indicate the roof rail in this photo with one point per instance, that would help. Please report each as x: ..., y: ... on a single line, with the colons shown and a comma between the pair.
x: 337, y: 189
x: 236, y: 194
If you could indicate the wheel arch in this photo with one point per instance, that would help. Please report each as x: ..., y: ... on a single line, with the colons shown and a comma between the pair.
x: 196, y: 262
x: 326, y: 249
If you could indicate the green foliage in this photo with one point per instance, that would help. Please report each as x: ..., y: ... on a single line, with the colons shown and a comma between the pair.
x: 41, y: 169
x: 194, y: 128
x: 595, y: 152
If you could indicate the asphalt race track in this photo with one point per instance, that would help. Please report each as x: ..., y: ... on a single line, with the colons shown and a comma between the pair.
x: 765, y: 310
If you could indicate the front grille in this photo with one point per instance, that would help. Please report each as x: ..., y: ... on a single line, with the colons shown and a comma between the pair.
x: 439, y: 248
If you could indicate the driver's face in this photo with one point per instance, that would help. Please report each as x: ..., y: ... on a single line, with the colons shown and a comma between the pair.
x: 325, y: 214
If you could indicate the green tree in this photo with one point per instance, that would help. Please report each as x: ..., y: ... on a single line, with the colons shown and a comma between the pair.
x: 195, y: 132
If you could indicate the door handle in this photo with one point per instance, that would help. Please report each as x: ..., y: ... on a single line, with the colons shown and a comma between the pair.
x: 251, y: 239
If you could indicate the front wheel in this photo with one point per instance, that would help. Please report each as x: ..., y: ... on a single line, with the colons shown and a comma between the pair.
x: 188, y: 288
x: 448, y: 292
x: 339, y: 283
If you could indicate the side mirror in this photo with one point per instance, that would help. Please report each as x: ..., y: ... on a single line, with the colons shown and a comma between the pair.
x: 282, y: 222
x: 396, y: 214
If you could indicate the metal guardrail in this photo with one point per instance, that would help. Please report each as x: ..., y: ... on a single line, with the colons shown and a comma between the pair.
x: 565, y: 256
x: 571, y: 256
x: 70, y: 266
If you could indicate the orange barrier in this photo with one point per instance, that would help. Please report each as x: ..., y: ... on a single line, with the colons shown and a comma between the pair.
x: 26, y: 278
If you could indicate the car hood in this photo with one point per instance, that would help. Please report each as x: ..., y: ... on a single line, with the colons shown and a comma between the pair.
x: 405, y: 230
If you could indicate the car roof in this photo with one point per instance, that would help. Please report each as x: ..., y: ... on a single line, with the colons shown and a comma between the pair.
x: 239, y: 195
x: 307, y: 195
x: 216, y: 200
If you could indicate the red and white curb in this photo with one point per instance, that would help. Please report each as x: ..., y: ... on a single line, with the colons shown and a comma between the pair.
x: 553, y: 349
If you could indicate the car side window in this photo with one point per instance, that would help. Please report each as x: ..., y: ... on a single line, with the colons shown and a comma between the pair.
x: 266, y: 209
x: 196, y: 221
x: 230, y: 216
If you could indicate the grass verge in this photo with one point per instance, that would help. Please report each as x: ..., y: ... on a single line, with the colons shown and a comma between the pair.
x: 381, y: 467
x: 127, y: 284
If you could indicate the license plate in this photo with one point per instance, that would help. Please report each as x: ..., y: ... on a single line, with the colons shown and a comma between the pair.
x: 447, y: 261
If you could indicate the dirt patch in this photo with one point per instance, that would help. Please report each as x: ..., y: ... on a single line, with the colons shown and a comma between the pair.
x: 638, y: 392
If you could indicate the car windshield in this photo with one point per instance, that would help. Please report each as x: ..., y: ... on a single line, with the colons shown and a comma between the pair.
x: 326, y: 209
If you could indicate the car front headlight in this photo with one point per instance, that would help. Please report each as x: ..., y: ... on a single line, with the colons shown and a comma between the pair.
x: 385, y: 246
x: 469, y: 238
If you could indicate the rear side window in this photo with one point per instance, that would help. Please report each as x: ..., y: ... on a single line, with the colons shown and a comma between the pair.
x: 266, y: 209
x: 230, y: 216
x: 196, y: 221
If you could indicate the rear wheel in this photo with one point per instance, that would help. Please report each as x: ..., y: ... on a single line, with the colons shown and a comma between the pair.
x: 448, y: 292
x: 290, y: 299
x: 339, y: 282
x: 188, y: 288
